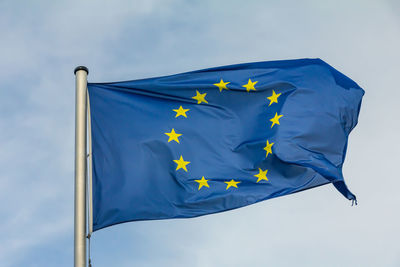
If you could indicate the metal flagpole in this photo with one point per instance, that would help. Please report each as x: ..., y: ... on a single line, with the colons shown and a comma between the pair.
x: 81, y: 73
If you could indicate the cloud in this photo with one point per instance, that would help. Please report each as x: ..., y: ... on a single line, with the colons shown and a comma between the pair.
x: 43, y: 41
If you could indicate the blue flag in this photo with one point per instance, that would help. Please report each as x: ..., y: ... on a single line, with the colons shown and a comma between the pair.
x: 217, y: 139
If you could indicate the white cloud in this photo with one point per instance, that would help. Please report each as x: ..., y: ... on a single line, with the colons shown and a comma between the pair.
x: 43, y: 41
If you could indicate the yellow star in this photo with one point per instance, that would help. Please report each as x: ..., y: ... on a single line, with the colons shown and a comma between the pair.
x: 181, y: 112
x: 202, y: 182
x: 231, y: 183
x: 250, y: 85
x: 262, y: 175
x: 268, y: 148
x: 222, y: 85
x: 200, y: 97
x: 173, y: 136
x: 275, y: 120
x: 273, y: 98
x: 181, y: 163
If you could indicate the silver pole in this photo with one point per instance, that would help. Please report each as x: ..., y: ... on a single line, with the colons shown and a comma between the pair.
x: 80, y: 167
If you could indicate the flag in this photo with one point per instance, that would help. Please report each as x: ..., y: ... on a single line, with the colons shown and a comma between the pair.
x: 212, y: 140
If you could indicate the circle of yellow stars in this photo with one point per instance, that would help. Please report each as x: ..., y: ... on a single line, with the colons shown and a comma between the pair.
x: 201, y: 98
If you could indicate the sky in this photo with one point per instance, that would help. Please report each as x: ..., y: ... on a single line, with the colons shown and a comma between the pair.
x: 43, y: 41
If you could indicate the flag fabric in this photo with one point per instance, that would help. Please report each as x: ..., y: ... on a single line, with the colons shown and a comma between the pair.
x: 217, y: 139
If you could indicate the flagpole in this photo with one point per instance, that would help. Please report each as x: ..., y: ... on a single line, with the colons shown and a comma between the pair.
x: 81, y: 73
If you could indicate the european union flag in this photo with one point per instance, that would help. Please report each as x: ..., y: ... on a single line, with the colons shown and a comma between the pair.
x: 217, y: 139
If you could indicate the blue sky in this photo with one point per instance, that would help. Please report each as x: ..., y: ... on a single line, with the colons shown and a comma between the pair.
x: 43, y: 41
